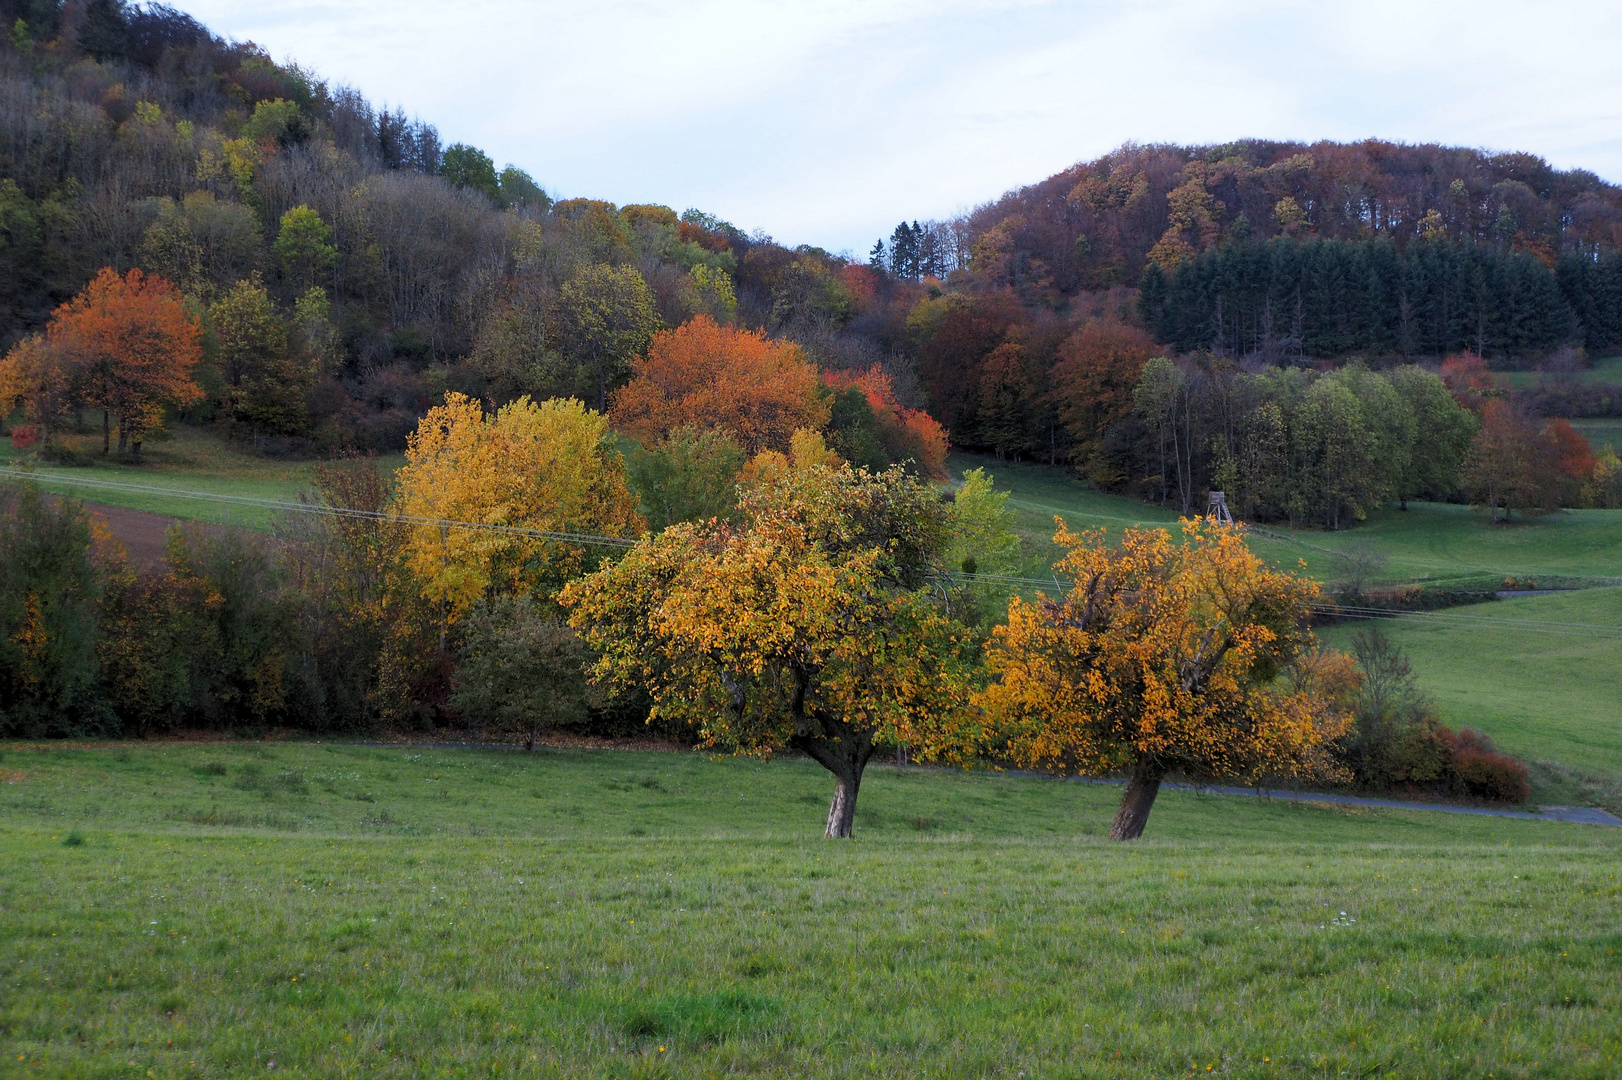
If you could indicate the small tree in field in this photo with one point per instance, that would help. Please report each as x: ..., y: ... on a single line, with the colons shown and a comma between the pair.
x: 807, y: 626
x: 134, y: 348
x: 1164, y: 657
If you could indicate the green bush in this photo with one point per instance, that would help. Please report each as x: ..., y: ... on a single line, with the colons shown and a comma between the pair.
x: 50, y: 586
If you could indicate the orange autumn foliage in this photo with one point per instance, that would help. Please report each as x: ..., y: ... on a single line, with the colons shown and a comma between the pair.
x: 134, y: 348
x: 1167, y: 657
x: 706, y: 375
x: 1469, y: 381
x: 1573, y: 456
x: 906, y: 434
x: 1098, y: 368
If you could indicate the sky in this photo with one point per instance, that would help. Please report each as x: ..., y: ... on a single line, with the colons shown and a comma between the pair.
x: 828, y: 122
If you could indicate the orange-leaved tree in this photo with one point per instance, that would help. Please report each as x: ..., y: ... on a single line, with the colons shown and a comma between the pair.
x: 1098, y: 368
x: 808, y: 625
x: 705, y: 375
x: 543, y: 466
x: 1163, y: 657
x: 134, y: 348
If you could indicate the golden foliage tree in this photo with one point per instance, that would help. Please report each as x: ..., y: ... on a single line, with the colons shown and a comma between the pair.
x: 806, y: 626
x: 543, y: 466
x: 1162, y: 657
x: 706, y: 375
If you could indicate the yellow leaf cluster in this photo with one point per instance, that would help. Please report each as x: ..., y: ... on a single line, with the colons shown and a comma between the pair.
x: 545, y: 466
x: 789, y: 631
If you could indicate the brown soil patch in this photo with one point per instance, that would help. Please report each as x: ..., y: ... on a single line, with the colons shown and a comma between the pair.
x: 145, y: 535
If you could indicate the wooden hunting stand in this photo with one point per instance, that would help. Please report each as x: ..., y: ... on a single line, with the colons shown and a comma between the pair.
x: 1217, y: 508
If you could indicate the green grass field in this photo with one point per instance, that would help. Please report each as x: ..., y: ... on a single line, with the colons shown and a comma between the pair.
x: 205, y: 910
x: 1553, y: 697
x: 1433, y: 543
x: 188, y: 459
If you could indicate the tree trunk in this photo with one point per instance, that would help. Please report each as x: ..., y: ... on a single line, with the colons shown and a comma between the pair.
x: 106, y: 432
x: 842, y: 812
x: 1137, y: 801
x: 840, y: 747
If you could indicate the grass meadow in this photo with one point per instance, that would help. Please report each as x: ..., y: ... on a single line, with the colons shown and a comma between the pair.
x: 205, y: 910
x: 1546, y: 689
x: 1434, y: 543
x: 1606, y: 371
x: 186, y: 459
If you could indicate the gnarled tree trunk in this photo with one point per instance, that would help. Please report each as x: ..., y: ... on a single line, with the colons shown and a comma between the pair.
x: 1137, y: 801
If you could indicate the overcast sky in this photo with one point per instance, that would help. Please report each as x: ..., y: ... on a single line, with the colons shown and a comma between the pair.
x: 828, y: 122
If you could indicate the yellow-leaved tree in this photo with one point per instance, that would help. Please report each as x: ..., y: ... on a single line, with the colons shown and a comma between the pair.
x: 545, y: 466
x: 807, y: 624
x: 1163, y: 657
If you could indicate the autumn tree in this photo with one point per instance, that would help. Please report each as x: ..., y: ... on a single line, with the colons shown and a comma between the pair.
x: 543, y: 466
x: 1161, y: 657
x: 134, y: 348
x: 1092, y: 383
x: 898, y: 433
x: 1507, y: 468
x: 607, y: 318
x: 1570, y: 458
x: 808, y: 626
x: 36, y: 376
x: 706, y: 375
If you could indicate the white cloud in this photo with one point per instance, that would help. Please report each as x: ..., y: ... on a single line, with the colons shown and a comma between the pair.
x: 828, y: 122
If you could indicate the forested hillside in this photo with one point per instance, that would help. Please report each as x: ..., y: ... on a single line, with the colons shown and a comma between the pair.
x: 348, y: 268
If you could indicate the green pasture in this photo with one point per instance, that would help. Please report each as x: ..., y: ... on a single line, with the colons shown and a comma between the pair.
x: 1434, y: 543
x: 1533, y: 673
x: 206, y: 910
x: 1603, y: 372
x: 186, y: 459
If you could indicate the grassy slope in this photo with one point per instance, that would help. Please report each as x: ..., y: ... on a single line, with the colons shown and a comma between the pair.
x: 1432, y: 542
x: 622, y: 914
x: 1542, y: 696
x: 191, y: 460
